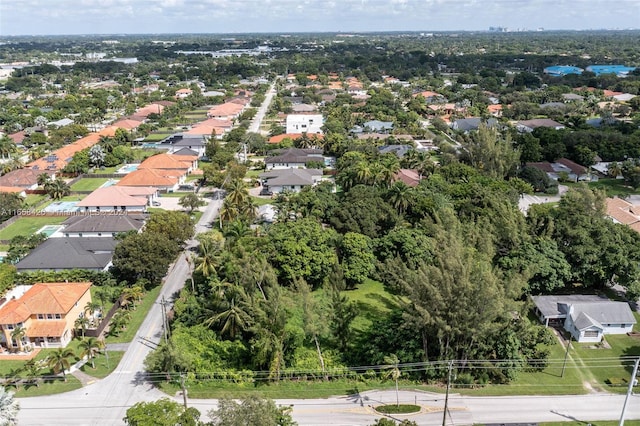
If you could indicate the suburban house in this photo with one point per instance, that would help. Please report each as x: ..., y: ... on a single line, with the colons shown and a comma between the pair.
x: 408, y: 176
x: 170, y: 162
x: 226, y: 111
x: 622, y: 211
x: 304, y: 123
x: 161, y: 180
x: 100, y: 225
x: 292, y: 180
x: 58, y: 159
x: 57, y: 254
x: 472, y: 123
x: 23, y: 178
x: 586, y: 317
x: 194, y: 142
x: 374, y: 126
x: 217, y: 126
x: 46, y: 311
x: 399, y: 150
x: 118, y: 199
x: 294, y: 158
x: 574, y: 171
x: 530, y: 125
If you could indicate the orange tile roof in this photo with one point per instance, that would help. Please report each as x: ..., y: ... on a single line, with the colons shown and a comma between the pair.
x: 43, y: 298
x: 46, y: 328
x: 61, y: 156
x: 168, y: 161
x: 622, y: 211
x: 149, y: 109
x: 127, y: 124
x: 112, y: 196
x: 148, y: 177
x: 206, y: 127
x: 611, y: 93
x: 11, y: 189
x: 228, y: 109
x: 428, y: 94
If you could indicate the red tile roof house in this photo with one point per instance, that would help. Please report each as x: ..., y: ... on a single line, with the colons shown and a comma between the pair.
x: 170, y: 162
x: 113, y: 199
x: 575, y: 171
x: 47, y: 312
x: 24, y: 178
x: 622, y: 211
x: 162, y: 180
x: 226, y: 111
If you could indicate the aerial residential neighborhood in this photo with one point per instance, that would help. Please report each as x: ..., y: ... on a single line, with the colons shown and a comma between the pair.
x: 367, y: 228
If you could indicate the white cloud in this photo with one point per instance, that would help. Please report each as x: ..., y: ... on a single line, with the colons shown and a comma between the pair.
x: 135, y: 16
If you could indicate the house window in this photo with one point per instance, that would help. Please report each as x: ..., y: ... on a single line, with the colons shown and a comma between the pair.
x: 591, y: 333
x: 623, y: 325
x: 40, y: 316
x: 99, y: 234
x: 49, y: 316
x: 10, y: 326
x: 58, y: 316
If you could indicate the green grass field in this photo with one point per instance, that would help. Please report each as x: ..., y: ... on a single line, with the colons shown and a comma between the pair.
x: 613, y: 187
x: 104, y: 365
x: 157, y: 137
x: 260, y: 201
x: 28, y: 225
x: 89, y: 184
x: 137, y: 316
x: 373, y: 301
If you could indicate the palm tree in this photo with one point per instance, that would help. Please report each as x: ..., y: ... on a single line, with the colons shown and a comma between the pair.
x: 132, y: 295
x: 96, y: 155
x: 90, y: 348
x: 614, y: 170
x: 8, y: 408
x: 7, y: 147
x: 57, y: 189
x: 32, y: 369
x: 58, y: 361
x: 107, y: 143
x: 17, y: 335
x: 81, y: 323
x: 234, y: 319
x: 43, y: 178
x: 393, y: 371
x: 207, y: 262
x: 400, y: 196
x: 237, y: 192
x: 91, y: 308
x: 362, y: 172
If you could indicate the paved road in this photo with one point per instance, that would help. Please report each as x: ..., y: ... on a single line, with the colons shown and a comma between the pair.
x: 254, y: 127
x: 106, y: 401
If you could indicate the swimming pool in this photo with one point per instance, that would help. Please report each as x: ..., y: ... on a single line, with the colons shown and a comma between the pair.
x: 62, y: 206
x: 49, y: 230
x: 109, y: 183
x: 128, y: 168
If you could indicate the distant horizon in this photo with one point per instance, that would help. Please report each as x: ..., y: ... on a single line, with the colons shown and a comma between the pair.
x: 286, y: 33
x: 148, y: 17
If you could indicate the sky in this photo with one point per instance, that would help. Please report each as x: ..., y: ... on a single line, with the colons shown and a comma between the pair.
x: 54, y: 17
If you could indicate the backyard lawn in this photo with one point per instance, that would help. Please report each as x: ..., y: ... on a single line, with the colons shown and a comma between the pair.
x: 89, y: 184
x: 28, y: 225
x: 613, y: 187
x: 260, y: 201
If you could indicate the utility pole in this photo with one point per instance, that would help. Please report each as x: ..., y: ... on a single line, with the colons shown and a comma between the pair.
x: 632, y: 382
x: 446, y: 398
x: 165, y: 324
x: 566, y: 355
x: 184, y: 391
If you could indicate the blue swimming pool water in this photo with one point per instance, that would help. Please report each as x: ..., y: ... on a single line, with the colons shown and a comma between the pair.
x: 49, y: 230
x: 61, y: 206
x: 128, y: 168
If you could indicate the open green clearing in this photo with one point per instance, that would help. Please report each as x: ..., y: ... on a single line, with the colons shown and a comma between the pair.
x: 137, y: 316
x: 28, y: 225
x: 373, y: 302
x: 104, y: 365
x: 613, y: 187
x: 89, y: 184
x: 34, y: 199
x: 260, y: 201
x: 157, y: 137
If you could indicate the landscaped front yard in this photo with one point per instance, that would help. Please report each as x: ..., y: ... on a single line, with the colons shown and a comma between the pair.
x: 89, y: 184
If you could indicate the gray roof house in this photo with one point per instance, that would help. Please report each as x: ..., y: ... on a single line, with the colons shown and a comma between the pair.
x: 399, y: 150
x: 56, y: 254
x: 472, y: 123
x: 100, y: 225
x: 293, y: 158
x: 293, y: 180
x: 530, y: 125
x: 587, y: 317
